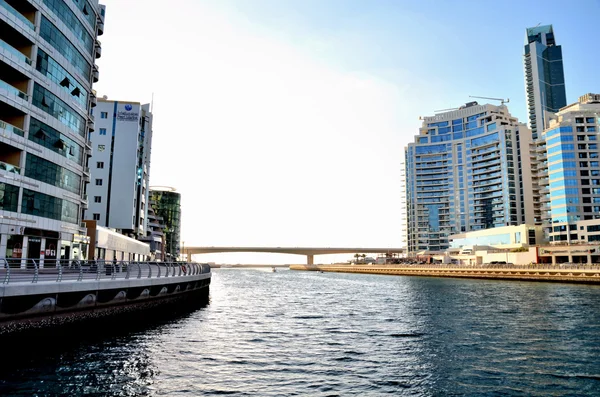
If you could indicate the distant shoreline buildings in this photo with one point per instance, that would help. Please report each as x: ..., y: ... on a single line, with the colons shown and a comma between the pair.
x: 477, y: 168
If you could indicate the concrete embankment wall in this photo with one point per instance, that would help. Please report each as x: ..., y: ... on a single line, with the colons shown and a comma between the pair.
x: 583, y: 274
x: 27, y: 307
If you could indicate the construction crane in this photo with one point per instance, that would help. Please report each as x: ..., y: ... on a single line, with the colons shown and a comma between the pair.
x: 444, y: 110
x: 502, y: 101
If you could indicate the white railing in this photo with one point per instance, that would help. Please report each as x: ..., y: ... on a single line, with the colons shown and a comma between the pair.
x: 24, y: 270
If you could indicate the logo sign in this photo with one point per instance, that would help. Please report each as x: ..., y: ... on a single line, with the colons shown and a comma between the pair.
x: 127, y: 115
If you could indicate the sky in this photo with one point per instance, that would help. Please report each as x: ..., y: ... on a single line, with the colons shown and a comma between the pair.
x: 284, y: 122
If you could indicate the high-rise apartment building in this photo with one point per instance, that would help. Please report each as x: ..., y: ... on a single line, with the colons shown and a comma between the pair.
x: 544, y: 76
x: 464, y: 172
x: 47, y: 54
x: 120, y: 166
x: 571, y: 191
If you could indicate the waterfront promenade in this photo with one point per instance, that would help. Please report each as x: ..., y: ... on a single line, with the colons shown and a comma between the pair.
x: 589, y: 274
x: 68, y: 292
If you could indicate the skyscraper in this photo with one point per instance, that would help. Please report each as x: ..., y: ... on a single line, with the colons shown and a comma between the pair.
x: 464, y: 172
x: 544, y: 76
x: 120, y: 166
x: 47, y: 54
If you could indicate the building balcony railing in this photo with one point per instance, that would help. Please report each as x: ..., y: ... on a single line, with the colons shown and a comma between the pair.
x: 17, y: 14
x: 11, y: 128
x: 13, y: 91
x: 14, y: 52
x: 10, y: 168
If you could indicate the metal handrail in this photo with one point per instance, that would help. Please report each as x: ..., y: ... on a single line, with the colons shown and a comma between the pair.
x: 29, y: 270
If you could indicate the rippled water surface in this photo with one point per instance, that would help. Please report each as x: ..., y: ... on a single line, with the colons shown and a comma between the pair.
x: 324, y: 334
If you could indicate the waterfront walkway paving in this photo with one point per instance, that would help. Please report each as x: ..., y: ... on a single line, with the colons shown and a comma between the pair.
x: 589, y: 274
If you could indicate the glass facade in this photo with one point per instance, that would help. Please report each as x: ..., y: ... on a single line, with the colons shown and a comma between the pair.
x: 167, y: 204
x: 47, y: 66
x: 544, y: 76
x: 51, y: 104
x: 9, y: 197
x: 60, y: 43
x: 64, y: 13
x: 46, y: 206
x: 86, y: 10
x: 573, y: 179
x: 45, y: 171
x: 470, y: 182
x: 48, y: 137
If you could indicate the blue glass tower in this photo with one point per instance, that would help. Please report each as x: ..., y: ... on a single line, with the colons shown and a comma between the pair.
x: 464, y: 172
x: 544, y: 77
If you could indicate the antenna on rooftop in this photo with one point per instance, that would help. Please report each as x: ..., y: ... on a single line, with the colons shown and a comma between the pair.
x: 502, y: 101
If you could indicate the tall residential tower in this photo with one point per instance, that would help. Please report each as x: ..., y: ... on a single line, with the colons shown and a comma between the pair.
x: 47, y: 54
x: 544, y: 77
x: 464, y: 172
x: 571, y: 191
x: 120, y: 166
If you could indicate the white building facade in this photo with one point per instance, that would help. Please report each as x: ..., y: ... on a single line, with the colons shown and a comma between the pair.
x: 120, y: 166
x: 48, y: 50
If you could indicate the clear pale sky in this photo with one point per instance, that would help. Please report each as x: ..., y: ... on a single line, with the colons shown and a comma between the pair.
x: 283, y: 123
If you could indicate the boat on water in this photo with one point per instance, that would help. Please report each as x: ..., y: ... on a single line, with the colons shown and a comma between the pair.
x: 273, y: 270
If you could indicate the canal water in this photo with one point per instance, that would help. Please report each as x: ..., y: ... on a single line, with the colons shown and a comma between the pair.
x: 293, y: 333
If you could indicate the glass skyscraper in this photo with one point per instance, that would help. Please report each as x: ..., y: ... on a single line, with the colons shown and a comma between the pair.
x: 571, y: 192
x: 544, y: 76
x: 167, y: 204
x: 464, y: 172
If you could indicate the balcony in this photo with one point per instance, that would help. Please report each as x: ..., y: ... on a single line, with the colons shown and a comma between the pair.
x: 98, y: 49
x: 93, y: 99
x: 14, y: 53
x: 95, y: 73
x: 11, y: 128
x: 12, y: 91
x: 10, y: 168
x: 16, y: 14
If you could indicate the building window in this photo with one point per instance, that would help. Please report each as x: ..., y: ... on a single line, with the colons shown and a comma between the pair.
x: 103, y: 130
x: 96, y: 217
x: 97, y: 199
x: 44, y: 205
x: 100, y: 164
x: 101, y: 148
x: 103, y: 115
x: 98, y: 182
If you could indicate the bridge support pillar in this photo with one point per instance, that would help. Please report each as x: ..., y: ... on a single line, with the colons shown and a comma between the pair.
x: 310, y: 259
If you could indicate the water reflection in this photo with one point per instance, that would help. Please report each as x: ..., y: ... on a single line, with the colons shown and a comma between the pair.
x: 321, y: 334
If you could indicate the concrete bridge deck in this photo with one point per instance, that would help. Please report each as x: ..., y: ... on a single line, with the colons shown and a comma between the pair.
x: 309, y: 252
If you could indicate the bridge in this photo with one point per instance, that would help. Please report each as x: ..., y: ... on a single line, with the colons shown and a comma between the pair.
x: 310, y: 252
